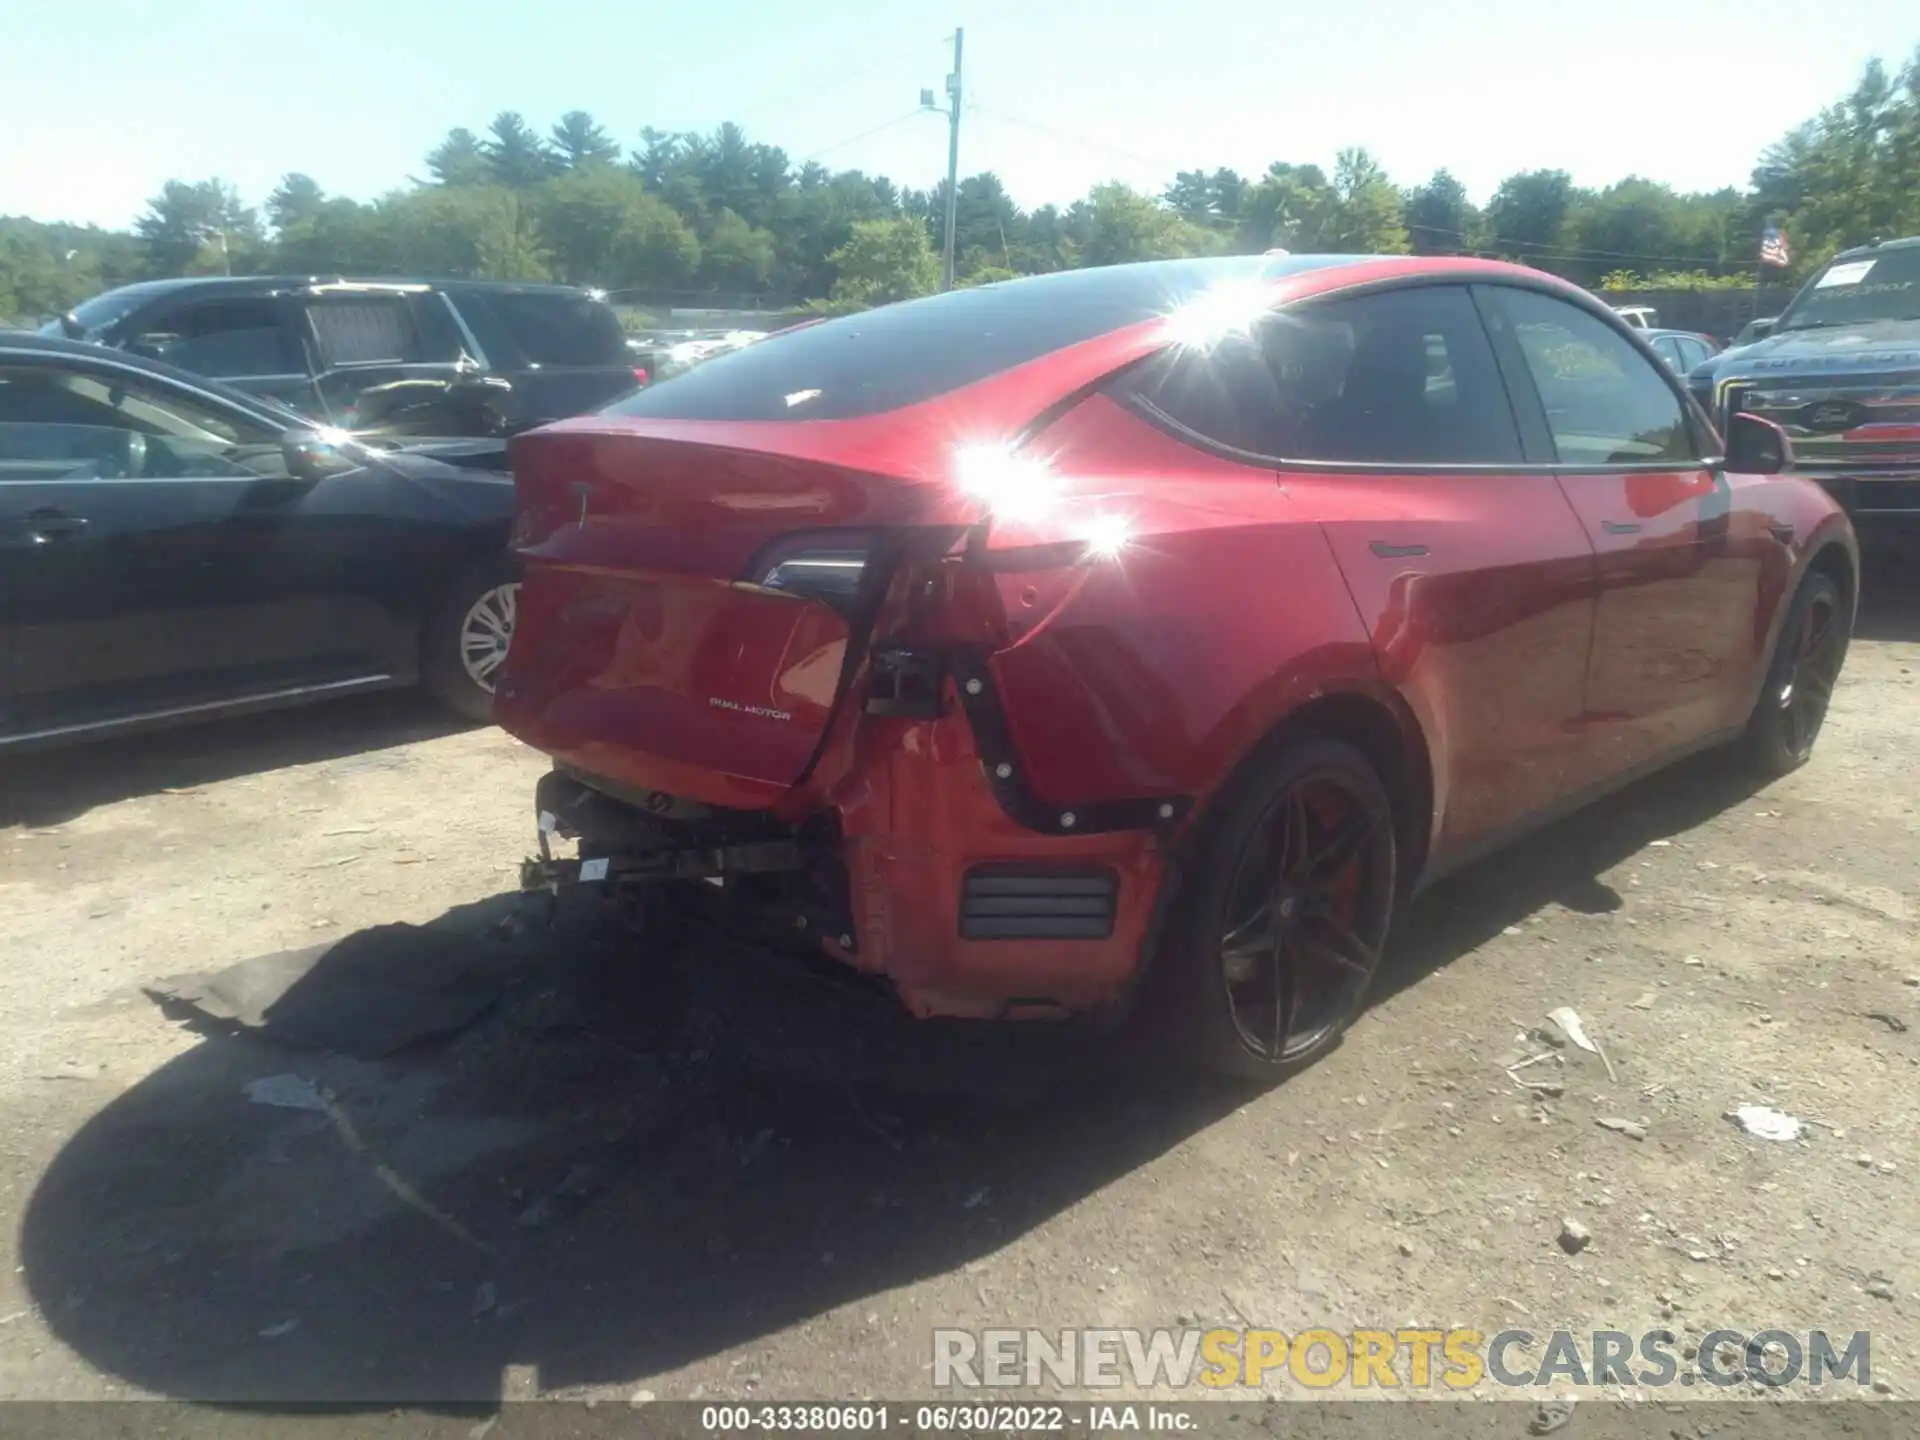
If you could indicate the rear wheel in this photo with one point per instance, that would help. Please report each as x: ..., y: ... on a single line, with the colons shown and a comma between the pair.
x: 1806, y: 665
x: 467, y: 634
x: 1276, y: 942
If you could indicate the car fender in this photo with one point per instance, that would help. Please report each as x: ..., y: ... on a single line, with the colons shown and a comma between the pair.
x: 1830, y: 532
x: 1178, y: 658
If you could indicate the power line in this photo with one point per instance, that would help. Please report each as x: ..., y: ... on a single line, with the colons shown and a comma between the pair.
x: 817, y: 85
x: 1071, y: 139
x: 1544, y: 251
x: 1577, y: 253
x: 1557, y: 252
x: 912, y: 114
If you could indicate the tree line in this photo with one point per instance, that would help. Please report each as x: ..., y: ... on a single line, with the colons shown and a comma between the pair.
x: 719, y: 214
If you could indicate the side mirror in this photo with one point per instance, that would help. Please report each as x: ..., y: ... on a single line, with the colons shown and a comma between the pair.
x: 480, y: 403
x: 1760, y: 329
x: 313, y: 454
x: 1757, y: 447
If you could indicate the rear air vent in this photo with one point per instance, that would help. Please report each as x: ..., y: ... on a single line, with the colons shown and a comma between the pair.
x: 1013, y: 902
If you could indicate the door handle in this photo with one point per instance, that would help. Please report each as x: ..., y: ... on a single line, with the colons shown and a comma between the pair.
x: 1395, y: 552
x: 54, y: 524
x: 1615, y: 527
x: 1783, y: 533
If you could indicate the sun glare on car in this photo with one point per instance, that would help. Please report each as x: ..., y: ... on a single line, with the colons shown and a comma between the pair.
x: 1107, y: 536
x: 1219, y: 313
x: 1013, y: 486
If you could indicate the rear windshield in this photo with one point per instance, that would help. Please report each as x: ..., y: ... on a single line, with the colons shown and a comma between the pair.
x: 903, y: 354
x: 554, y: 329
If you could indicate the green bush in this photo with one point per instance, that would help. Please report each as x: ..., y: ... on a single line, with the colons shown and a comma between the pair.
x: 1674, y: 280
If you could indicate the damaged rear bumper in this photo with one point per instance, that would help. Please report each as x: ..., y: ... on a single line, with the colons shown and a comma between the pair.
x: 916, y: 870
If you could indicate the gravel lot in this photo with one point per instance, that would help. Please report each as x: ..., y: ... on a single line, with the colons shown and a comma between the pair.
x: 728, y: 1179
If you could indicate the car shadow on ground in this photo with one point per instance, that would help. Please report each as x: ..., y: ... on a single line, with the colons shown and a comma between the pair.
x: 1889, y: 614
x: 1889, y: 594
x: 635, y: 1164
x: 52, y: 787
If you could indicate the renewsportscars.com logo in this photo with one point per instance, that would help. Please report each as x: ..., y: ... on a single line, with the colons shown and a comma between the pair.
x: 1411, y: 1359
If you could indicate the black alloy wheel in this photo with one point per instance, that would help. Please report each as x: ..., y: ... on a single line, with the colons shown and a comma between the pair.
x: 1293, y: 898
x: 1807, y: 661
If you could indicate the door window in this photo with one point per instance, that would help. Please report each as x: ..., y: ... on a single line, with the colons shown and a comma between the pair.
x: 363, y: 330
x: 74, y: 424
x: 1404, y: 377
x: 228, y: 339
x: 1605, y: 404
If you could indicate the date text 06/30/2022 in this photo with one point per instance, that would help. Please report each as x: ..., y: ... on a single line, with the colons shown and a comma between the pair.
x: 963, y: 1417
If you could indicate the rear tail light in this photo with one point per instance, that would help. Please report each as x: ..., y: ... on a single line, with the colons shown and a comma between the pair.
x: 640, y: 374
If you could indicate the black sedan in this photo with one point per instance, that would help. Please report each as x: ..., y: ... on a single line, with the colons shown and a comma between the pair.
x: 1681, y: 349
x: 173, y: 549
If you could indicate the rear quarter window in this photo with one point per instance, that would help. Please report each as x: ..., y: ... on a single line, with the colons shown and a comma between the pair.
x: 546, y: 329
x: 1404, y: 377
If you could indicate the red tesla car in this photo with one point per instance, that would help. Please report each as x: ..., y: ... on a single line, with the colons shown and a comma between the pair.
x: 1146, y: 635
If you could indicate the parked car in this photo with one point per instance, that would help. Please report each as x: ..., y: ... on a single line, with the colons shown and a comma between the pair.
x: 1840, y: 372
x: 173, y: 549
x: 1142, y: 636
x: 1640, y: 317
x: 409, y: 357
x: 1682, y: 349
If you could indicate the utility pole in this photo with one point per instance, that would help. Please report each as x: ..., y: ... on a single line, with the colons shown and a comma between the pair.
x: 953, y: 160
x: 952, y: 112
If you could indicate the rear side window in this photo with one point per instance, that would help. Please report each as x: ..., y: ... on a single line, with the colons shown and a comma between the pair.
x: 1605, y: 402
x: 552, y: 329
x: 376, y: 330
x: 1401, y: 377
x: 899, y: 355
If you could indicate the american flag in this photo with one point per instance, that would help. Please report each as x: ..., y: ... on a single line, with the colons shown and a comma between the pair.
x: 1773, y: 248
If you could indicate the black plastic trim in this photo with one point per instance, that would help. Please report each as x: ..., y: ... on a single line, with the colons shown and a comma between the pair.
x: 906, y: 683
x: 1000, y: 762
x: 1022, y: 902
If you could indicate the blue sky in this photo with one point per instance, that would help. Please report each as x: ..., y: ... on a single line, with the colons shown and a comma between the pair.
x: 103, y: 100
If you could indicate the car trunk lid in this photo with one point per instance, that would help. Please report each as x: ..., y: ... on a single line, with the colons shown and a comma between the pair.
x: 696, y: 598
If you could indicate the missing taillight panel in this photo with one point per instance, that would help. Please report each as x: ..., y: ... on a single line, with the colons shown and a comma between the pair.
x: 828, y: 566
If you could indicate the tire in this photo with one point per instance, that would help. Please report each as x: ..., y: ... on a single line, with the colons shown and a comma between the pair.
x: 1806, y: 664
x: 456, y: 665
x: 1309, y: 943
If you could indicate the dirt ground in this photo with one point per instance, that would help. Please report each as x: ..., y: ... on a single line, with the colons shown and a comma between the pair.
x: 733, y: 1180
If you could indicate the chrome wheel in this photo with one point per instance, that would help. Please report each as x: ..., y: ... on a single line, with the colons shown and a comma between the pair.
x: 1818, y: 652
x: 485, y: 633
x: 1305, y: 915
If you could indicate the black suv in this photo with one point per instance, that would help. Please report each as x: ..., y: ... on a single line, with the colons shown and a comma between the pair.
x: 379, y: 357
